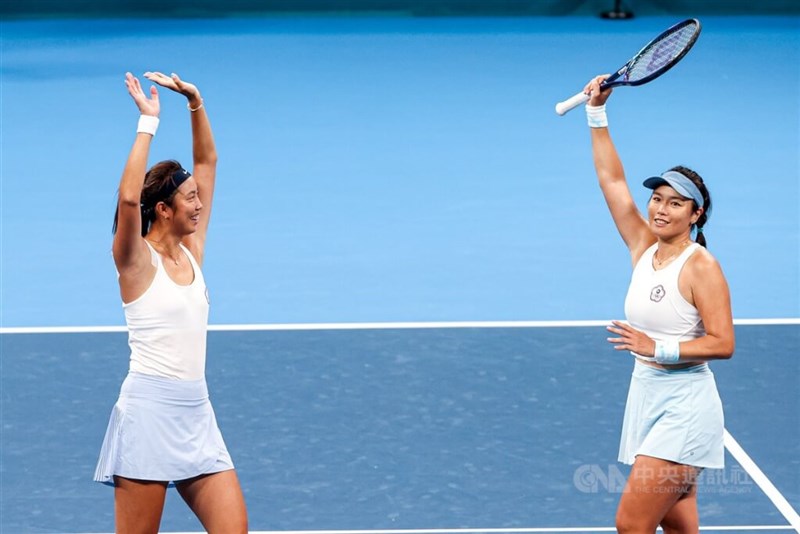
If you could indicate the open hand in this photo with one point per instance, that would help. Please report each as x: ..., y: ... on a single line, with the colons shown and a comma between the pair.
x: 174, y: 83
x: 631, y: 339
x: 147, y: 106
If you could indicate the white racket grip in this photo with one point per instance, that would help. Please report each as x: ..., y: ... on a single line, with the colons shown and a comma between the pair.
x: 571, y: 102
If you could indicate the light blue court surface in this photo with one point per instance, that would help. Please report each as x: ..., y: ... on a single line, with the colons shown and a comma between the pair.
x: 396, y: 169
x: 385, y: 170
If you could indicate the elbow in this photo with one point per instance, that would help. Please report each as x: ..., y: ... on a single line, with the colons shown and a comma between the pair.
x: 129, y: 200
x: 129, y: 194
x: 726, y: 350
x: 208, y: 158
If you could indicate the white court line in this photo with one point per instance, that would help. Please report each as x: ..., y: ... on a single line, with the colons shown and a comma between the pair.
x: 555, y: 530
x: 763, y: 482
x: 733, y: 447
x: 366, y: 326
x: 317, y: 326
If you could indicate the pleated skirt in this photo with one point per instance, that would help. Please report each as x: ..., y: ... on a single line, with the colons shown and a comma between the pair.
x: 161, y: 429
x: 673, y: 415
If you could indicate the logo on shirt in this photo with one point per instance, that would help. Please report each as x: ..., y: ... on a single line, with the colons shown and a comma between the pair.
x: 657, y: 293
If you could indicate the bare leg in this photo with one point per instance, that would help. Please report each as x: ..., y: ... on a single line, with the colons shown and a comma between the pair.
x: 217, y: 501
x: 138, y: 505
x: 654, y: 487
x: 682, y: 518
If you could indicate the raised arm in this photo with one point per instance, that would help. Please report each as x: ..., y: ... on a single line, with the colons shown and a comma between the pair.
x: 204, y: 154
x: 131, y: 254
x: 632, y: 226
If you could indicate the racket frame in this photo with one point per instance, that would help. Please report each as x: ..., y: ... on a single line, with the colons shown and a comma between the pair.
x: 614, y: 79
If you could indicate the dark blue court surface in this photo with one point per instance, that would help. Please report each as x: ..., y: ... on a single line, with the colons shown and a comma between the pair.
x: 379, y: 429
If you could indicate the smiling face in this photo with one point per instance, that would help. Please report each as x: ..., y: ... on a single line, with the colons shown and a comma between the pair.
x: 183, y: 211
x: 187, y: 205
x: 670, y: 214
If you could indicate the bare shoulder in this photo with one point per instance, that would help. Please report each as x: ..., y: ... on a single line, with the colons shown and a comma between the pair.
x: 137, y: 275
x: 638, y: 250
x: 702, y: 265
x: 702, y: 260
x: 131, y: 256
x: 195, y: 246
x: 701, y: 279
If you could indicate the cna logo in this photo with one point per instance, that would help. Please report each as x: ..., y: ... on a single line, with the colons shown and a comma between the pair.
x: 657, y: 293
x: 594, y: 479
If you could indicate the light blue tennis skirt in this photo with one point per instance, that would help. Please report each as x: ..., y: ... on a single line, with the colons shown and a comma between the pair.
x: 161, y: 429
x: 675, y: 416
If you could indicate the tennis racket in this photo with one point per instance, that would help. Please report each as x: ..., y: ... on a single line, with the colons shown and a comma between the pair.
x: 656, y: 58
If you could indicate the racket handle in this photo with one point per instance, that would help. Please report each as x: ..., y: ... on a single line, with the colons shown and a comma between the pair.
x: 572, y: 102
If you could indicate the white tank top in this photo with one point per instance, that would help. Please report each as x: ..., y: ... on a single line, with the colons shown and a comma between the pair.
x: 167, y: 325
x: 654, y: 303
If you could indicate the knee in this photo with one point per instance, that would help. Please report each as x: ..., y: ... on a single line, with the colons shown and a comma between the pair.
x: 234, y: 526
x: 624, y: 524
x: 629, y: 524
x: 239, y: 525
x: 243, y: 527
x: 681, y: 526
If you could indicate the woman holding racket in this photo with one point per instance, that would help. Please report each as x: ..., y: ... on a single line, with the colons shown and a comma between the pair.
x: 678, y: 319
x: 162, y: 428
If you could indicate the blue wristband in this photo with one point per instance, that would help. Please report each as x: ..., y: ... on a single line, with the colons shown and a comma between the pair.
x: 667, y: 351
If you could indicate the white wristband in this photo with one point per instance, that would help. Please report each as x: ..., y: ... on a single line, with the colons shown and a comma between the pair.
x: 147, y: 124
x: 667, y: 351
x: 596, y: 116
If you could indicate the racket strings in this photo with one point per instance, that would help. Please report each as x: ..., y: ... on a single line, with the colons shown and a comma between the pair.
x: 662, y: 53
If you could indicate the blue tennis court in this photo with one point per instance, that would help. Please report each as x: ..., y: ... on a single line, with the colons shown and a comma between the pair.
x: 375, y: 429
x: 410, y: 263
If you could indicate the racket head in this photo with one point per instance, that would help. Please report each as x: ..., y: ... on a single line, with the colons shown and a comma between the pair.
x: 657, y: 56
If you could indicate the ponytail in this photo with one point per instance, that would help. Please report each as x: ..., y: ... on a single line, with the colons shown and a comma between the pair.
x: 700, y: 239
x: 699, y: 226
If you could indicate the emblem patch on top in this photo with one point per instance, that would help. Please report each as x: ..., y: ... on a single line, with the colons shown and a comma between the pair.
x: 657, y: 293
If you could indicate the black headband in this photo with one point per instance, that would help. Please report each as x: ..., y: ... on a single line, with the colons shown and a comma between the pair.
x: 177, y: 178
x: 170, y: 186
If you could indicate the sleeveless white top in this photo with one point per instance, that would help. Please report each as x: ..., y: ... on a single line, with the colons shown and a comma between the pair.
x: 167, y: 325
x: 654, y: 303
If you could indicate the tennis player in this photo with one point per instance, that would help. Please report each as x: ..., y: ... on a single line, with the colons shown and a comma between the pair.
x: 162, y: 429
x: 678, y: 314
